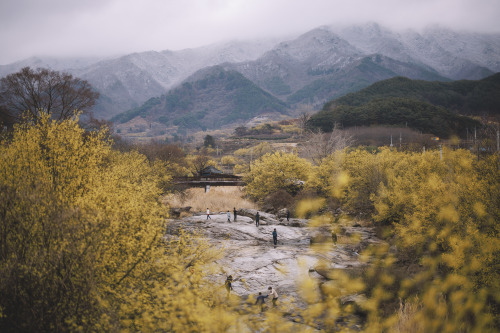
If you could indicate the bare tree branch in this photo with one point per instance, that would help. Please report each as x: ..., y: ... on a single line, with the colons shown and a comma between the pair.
x: 33, y: 91
x: 320, y: 145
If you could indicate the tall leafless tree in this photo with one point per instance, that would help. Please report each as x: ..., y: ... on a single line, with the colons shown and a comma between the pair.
x: 320, y: 145
x: 43, y: 90
x: 303, y: 119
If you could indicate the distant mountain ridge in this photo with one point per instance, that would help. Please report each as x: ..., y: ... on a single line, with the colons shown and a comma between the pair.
x: 313, y: 68
x: 455, y: 55
x: 128, y: 81
x: 319, y: 65
x: 212, y: 98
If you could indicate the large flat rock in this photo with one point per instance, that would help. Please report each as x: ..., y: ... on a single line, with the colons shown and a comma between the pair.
x: 255, y: 263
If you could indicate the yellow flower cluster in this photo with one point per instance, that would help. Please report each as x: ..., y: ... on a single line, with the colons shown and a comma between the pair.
x: 82, y: 244
x: 440, y: 213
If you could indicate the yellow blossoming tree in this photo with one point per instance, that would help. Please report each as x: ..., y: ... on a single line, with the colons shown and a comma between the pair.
x: 82, y: 244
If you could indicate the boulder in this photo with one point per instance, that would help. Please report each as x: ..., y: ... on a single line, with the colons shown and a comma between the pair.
x: 282, y: 213
x: 265, y: 218
x: 356, y: 301
x: 175, y: 212
x: 298, y: 223
x: 322, y: 234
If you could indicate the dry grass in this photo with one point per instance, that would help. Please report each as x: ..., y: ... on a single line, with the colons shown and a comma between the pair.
x: 407, y: 322
x: 220, y: 198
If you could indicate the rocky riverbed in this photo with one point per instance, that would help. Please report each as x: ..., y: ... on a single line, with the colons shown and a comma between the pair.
x: 256, y: 263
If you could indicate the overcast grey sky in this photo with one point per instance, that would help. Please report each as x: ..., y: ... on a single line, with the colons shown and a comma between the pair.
x: 112, y: 27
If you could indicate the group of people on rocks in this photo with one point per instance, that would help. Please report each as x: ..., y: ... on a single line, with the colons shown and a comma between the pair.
x: 235, y: 214
x: 275, y: 233
x: 229, y: 280
x: 260, y: 298
x: 257, y: 221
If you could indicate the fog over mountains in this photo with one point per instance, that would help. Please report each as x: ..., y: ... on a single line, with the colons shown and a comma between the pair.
x: 311, y: 69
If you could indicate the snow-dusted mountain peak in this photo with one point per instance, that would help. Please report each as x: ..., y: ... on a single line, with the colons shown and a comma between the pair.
x: 319, y: 60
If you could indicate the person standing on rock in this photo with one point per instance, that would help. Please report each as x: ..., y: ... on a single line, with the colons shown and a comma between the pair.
x: 257, y: 218
x: 334, y: 237
x: 287, y: 215
x: 234, y: 213
x: 208, y: 214
x: 275, y: 237
x: 229, y: 284
x: 228, y: 216
x: 274, y: 294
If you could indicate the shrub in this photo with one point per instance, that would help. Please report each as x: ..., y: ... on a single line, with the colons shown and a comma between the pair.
x: 276, y: 171
x: 277, y: 200
x: 82, y: 239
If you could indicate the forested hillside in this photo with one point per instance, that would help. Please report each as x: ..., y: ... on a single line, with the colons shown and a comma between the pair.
x: 463, y: 96
x: 431, y: 107
x: 395, y: 111
x: 355, y: 77
x: 212, y: 98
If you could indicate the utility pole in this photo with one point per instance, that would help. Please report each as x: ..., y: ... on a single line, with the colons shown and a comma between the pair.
x: 475, y: 143
x: 391, y: 142
x: 441, y: 152
x: 251, y: 159
x: 498, y: 140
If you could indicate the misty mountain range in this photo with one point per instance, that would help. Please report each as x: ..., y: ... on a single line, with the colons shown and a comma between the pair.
x: 232, y: 82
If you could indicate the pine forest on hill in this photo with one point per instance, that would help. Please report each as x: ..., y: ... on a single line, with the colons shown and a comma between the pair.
x: 466, y: 97
x: 439, y: 108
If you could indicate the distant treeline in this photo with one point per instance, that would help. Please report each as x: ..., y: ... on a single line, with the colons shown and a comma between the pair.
x: 434, y: 107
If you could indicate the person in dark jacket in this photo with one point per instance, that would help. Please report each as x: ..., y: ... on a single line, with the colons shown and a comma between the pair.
x: 234, y: 213
x: 287, y: 215
x: 260, y: 300
x: 229, y: 284
x: 257, y: 218
x: 275, y: 237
